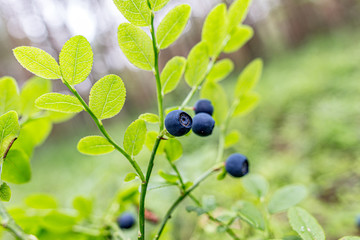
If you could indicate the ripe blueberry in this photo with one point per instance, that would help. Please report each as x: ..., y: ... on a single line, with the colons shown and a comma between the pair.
x: 205, y: 106
x: 237, y: 165
x: 203, y: 124
x: 178, y: 123
x: 357, y: 221
x: 126, y: 220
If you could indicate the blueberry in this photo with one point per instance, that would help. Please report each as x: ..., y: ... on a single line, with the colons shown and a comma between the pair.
x: 357, y: 221
x: 126, y: 220
x: 237, y: 165
x: 203, y: 124
x: 203, y: 106
x: 178, y: 123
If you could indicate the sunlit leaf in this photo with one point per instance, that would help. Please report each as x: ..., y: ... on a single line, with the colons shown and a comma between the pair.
x: 246, y: 104
x: 171, y: 74
x: 94, y: 145
x: 134, y: 137
x: 16, y: 167
x: 158, y: 4
x: 237, y: 13
x: 168, y: 177
x: 239, y: 37
x: 10, y: 129
x: 135, y: 11
x: 221, y: 70
x: 197, y: 64
x: 151, y: 137
x: 249, y: 77
x: 218, y: 97
x: 130, y: 176
x: 232, y: 138
x: 173, y: 149
x: 41, y: 201
x: 149, y: 117
x: 59, y: 102
x: 9, y: 95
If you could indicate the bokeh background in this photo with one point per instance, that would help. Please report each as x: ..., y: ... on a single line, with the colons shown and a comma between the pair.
x: 306, y: 129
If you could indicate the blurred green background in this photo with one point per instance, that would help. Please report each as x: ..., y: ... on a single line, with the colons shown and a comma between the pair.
x: 305, y: 130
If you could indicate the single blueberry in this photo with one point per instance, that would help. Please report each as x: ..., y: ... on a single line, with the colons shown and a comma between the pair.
x: 203, y: 124
x: 126, y: 220
x: 357, y: 221
x: 237, y: 165
x: 178, y: 123
x: 203, y: 105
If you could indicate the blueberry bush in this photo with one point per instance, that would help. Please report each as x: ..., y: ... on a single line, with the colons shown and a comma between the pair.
x: 27, y: 116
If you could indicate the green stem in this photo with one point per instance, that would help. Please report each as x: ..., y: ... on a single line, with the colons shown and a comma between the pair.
x: 8, y: 223
x: 100, y: 125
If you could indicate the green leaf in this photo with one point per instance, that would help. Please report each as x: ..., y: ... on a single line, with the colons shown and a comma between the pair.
x: 134, y: 137
x: 94, y: 145
x: 39, y: 129
x: 135, y: 11
x: 59, y: 117
x: 16, y: 168
x: 9, y: 95
x: 38, y: 62
x: 247, y: 103
x: 137, y: 46
x: 5, y: 192
x: 286, y: 197
x: 237, y: 13
x: 168, y: 177
x: 214, y: 31
x: 130, y: 176
x: 248, y: 78
x: 158, y: 4
x: 76, y: 60
x: 250, y: 214
x: 232, y: 138
x: 59, y: 102
x: 10, y: 129
x: 84, y: 206
x: 56, y: 221
x: 221, y: 70
x: 350, y: 238
x: 41, y: 201
x: 171, y: 74
x: 107, y: 96
x: 150, y: 141
x: 218, y: 97
x: 199, y: 211
x: 173, y: 149
x: 197, y: 64
x: 222, y: 174
x: 209, y: 203
x: 172, y: 25
x: 239, y: 37
x: 305, y: 224
x: 256, y: 184
x: 149, y: 117
x: 32, y: 89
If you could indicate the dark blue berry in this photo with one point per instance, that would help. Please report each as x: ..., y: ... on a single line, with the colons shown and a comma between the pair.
x: 126, y: 220
x: 203, y: 106
x: 178, y: 123
x: 203, y: 124
x: 237, y: 165
x: 357, y: 221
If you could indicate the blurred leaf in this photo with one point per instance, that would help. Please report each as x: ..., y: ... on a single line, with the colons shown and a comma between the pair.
x: 173, y: 149
x: 134, y: 137
x: 94, y: 145
x: 221, y: 70
x: 222, y: 174
x: 172, y: 25
x: 198, y: 210
x: 188, y: 185
x: 84, y: 206
x: 256, y: 184
x: 137, y: 46
x: 59, y: 117
x: 39, y: 129
x: 150, y: 141
x: 107, y: 96
x: 215, y: 29
x: 247, y: 103
x: 250, y: 214
x: 32, y: 89
x: 5, y: 192
x: 59, y: 102
x: 158, y: 4
x: 58, y: 222
x: 168, y: 177
x: 171, y: 74
x: 197, y: 64
x: 305, y: 224
x: 76, y: 60
x: 16, y: 167
x: 248, y: 78
x: 135, y: 11
x: 239, y: 37
x: 10, y: 129
x: 232, y: 138
x: 149, y: 117
x: 130, y: 176
x: 350, y: 238
x: 209, y: 203
x: 218, y: 97
x: 38, y: 62
x: 237, y: 13
x: 41, y: 201
x: 9, y: 95
x: 128, y: 194
x: 286, y: 197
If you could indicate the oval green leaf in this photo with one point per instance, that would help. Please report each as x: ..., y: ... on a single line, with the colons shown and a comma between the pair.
x: 286, y: 197
x: 249, y: 77
x: 16, y: 167
x: 250, y: 214
x: 76, y: 60
x: 246, y: 104
x: 221, y: 70
x: 130, y: 176
x: 5, y: 192
x: 41, y: 201
x: 94, y: 145
x: 135, y: 11
x: 10, y: 130
x: 197, y: 64
x: 9, y: 95
x: 107, y: 96
x: 59, y: 103
x: 157, y: 5
x: 232, y: 138
x: 173, y: 149
x: 218, y: 97
x: 237, y: 13
x: 149, y: 117
x: 170, y: 178
x: 239, y: 37
x: 134, y: 137
x: 256, y: 184
x: 150, y: 141
x: 171, y: 74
